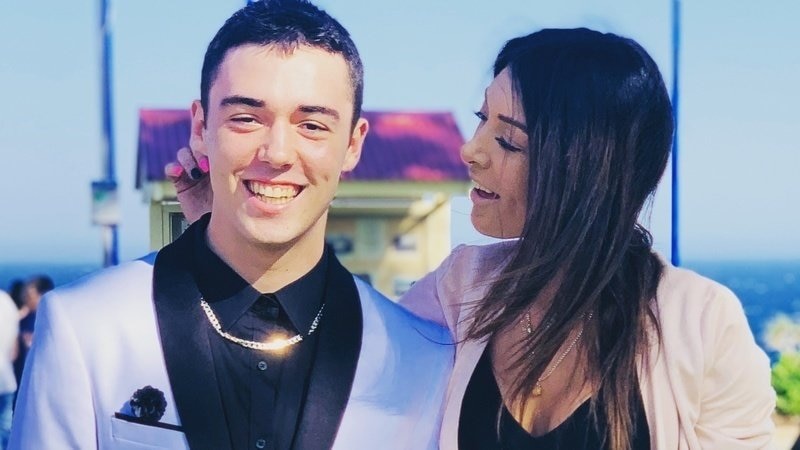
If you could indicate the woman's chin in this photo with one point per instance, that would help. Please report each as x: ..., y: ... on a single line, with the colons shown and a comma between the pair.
x: 494, y: 231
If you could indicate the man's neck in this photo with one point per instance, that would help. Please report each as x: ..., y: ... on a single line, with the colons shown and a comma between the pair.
x: 268, y: 268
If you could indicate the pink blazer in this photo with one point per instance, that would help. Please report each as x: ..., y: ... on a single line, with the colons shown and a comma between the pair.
x: 706, y: 387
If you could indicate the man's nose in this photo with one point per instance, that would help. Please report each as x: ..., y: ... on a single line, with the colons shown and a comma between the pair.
x: 278, y: 148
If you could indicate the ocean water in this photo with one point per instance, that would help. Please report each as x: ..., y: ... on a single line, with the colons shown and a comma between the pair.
x: 766, y: 288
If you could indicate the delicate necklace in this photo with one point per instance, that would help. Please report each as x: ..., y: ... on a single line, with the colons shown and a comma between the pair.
x: 526, y: 325
x: 271, y: 346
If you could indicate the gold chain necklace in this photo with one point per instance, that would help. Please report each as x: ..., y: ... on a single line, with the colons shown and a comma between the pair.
x: 270, y: 346
x: 526, y: 325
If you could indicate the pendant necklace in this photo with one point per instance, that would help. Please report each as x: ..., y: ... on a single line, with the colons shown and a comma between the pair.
x: 528, y: 328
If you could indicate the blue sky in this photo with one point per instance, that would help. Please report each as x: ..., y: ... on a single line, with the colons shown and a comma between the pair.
x: 740, y: 157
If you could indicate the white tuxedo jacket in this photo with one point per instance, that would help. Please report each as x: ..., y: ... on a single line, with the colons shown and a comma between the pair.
x: 378, y: 380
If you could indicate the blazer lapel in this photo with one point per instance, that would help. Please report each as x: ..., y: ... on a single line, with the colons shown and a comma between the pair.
x: 187, y: 352
x: 334, y: 368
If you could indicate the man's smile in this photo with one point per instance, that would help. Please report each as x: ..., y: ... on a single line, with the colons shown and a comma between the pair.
x: 274, y: 194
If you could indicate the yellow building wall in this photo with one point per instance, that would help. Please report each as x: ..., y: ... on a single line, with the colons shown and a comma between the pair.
x: 393, y: 252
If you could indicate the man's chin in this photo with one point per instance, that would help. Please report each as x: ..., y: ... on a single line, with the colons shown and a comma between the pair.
x: 273, y: 236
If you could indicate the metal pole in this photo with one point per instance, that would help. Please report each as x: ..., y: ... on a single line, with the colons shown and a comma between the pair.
x: 110, y: 236
x: 676, y: 44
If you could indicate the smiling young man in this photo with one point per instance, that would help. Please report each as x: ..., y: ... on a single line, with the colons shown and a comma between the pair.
x: 246, y: 332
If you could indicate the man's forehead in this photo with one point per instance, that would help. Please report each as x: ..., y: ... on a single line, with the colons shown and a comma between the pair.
x: 243, y: 51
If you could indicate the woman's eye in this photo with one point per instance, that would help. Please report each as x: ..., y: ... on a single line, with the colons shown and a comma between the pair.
x: 480, y: 116
x: 507, y: 145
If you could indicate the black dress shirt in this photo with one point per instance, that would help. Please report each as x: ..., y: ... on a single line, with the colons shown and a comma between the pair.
x: 262, y: 392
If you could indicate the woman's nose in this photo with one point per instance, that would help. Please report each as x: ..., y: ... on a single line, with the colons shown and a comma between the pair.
x: 473, y: 153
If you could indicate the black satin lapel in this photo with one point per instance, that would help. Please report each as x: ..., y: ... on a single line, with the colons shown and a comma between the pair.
x: 187, y: 352
x: 334, y: 368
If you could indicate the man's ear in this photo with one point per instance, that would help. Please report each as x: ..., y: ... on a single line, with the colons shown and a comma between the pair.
x: 356, y: 143
x: 197, y: 141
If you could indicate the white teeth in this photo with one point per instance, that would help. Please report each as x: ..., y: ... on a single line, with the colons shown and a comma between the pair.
x: 273, y: 194
x: 274, y: 201
x: 481, y: 188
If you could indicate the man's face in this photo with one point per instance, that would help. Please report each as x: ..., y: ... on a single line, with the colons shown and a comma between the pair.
x: 278, y: 136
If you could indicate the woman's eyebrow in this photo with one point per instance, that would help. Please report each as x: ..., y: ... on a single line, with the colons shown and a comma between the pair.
x: 513, y: 122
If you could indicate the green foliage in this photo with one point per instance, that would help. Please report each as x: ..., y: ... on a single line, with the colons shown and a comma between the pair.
x: 786, y: 381
x: 783, y: 333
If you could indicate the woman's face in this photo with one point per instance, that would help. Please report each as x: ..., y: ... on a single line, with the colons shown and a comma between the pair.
x: 497, y: 157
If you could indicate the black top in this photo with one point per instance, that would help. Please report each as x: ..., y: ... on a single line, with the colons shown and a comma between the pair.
x: 256, y: 386
x: 480, y: 425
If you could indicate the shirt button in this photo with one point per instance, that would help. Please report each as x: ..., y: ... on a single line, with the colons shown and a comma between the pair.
x: 261, y: 443
x: 262, y: 366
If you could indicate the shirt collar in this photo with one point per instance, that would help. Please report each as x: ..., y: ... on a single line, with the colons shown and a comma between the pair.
x: 302, y: 299
x: 231, y: 296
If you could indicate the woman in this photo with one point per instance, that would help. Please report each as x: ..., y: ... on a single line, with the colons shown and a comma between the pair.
x: 574, y: 334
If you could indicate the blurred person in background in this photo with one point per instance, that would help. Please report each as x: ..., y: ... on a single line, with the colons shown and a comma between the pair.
x: 9, y: 327
x: 16, y: 289
x: 32, y: 293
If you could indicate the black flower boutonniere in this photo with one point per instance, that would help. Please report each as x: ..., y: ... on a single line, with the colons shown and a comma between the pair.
x: 148, y: 404
x: 146, y: 407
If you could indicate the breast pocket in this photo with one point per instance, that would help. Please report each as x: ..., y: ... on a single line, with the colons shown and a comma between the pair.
x: 135, y: 436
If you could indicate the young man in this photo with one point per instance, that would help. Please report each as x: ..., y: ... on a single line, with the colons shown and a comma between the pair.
x: 246, y: 332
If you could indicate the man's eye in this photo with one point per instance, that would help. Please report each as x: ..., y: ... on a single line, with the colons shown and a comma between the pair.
x: 480, y: 116
x: 504, y: 144
x: 312, y: 126
x: 243, y: 119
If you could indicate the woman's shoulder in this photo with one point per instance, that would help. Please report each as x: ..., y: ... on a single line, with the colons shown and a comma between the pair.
x: 460, y: 280
x: 483, y: 258
x: 696, y: 307
x: 686, y: 289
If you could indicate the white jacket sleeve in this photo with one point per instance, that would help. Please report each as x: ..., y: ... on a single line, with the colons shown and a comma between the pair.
x: 54, y: 407
x: 737, y: 399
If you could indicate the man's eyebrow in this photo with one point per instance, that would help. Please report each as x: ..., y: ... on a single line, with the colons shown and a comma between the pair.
x: 310, y: 109
x: 513, y: 122
x: 241, y: 100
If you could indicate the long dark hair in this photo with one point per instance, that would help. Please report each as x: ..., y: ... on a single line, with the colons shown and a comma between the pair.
x: 600, y: 128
